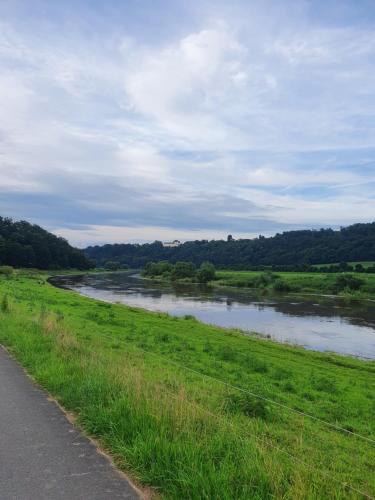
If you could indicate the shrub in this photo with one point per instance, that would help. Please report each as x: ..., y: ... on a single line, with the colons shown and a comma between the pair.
x: 347, y: 282
x: 162, y: 268
x: 183, y: 270
x: 206, y: 273
x: 112, y: 265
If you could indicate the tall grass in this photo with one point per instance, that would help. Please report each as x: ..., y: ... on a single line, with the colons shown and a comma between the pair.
x: 187, y: 435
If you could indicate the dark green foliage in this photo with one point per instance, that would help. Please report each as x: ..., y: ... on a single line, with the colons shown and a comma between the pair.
x: 206, y: 273
x: 153, y: 269
x: 189, y: 317
x: 347, y: 282
x: 179, y: 271
x: 292, y: 250
x: 27, y: 245
x: 112, y: 265
x: 183, y: 270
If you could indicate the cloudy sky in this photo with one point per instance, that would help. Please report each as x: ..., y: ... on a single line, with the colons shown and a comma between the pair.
x: 135, y: 120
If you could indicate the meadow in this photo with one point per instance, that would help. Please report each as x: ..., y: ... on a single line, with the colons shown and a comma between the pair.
x: 192, y: 410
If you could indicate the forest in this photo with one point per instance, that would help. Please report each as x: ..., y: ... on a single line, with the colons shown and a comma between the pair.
x: 291, y: 250
x: 27, y: 245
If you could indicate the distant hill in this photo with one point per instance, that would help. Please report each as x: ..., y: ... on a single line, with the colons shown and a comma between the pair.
x: 352, y: 243
x: 27, y: 245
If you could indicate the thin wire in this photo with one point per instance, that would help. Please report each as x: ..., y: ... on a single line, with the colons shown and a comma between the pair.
x: 259, y: 439
x: 258, y: 396
x: 281, y: 405
x: 199, y: 373
x: 277, y: 448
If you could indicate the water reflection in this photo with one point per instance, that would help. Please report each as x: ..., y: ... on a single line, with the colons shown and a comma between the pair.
x: 321, y: 324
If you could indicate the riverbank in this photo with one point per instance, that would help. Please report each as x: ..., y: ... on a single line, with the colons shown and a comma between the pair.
x: 305, y: 283
x: 173, y: 399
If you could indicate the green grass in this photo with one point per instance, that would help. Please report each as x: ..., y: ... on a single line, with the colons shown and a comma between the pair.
x: 300, y: 282
x: 134, y: 380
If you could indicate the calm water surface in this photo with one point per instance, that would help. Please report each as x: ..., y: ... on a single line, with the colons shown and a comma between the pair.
x: 323, y: 324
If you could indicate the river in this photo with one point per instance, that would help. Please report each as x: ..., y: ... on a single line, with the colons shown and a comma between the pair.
x: 318, y: 323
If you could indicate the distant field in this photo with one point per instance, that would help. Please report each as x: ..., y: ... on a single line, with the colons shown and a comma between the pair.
x: 323, y: 283
x: 196, y: 411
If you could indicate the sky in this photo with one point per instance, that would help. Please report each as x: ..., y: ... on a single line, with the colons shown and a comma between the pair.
x: 136, y: 120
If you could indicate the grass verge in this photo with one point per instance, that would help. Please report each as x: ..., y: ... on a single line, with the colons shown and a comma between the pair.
x: 149, y: 387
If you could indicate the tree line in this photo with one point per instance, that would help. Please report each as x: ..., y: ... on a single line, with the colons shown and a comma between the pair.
x: 180, y: 271
x: 291, y: 250
x: 27, y: 245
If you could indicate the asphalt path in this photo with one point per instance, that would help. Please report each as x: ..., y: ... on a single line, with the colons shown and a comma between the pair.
x: 43, y: 456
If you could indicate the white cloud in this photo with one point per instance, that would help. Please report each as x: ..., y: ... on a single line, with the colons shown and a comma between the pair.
x: 189, y: 87
x: 267, y: 115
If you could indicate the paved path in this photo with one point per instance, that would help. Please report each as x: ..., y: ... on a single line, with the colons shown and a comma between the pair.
x: 42, y: 455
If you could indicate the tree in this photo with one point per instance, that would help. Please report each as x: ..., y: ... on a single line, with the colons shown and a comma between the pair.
x: 183, y: 270
x: 292, y: 248
x: 112, y: 265
x: 27, y: 245
x: 206, y: 272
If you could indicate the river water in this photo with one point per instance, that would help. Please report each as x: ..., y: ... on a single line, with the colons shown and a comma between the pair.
x: 318, y: 323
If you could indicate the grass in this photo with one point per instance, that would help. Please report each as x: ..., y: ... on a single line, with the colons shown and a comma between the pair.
x: 301, y: 282
x: 147, y: 385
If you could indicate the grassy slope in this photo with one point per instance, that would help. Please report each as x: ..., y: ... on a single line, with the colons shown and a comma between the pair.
x: 187, y: 435
x: 321, y: 283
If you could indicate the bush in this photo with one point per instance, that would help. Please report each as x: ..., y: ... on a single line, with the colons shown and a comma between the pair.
x: 162, y: 268
x: 206, y: 273
x: 112, y: 265
x: 6, y: 271
x: 183, y: 270
x: 347, y: 282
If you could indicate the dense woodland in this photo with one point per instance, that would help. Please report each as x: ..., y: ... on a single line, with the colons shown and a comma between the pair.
x: 289, y: 250
x: 27, y: 245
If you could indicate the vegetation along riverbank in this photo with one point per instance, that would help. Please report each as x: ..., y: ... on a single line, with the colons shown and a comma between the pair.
x: 343, y: 284
x: 351, y: 285
x: 193, y: 410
